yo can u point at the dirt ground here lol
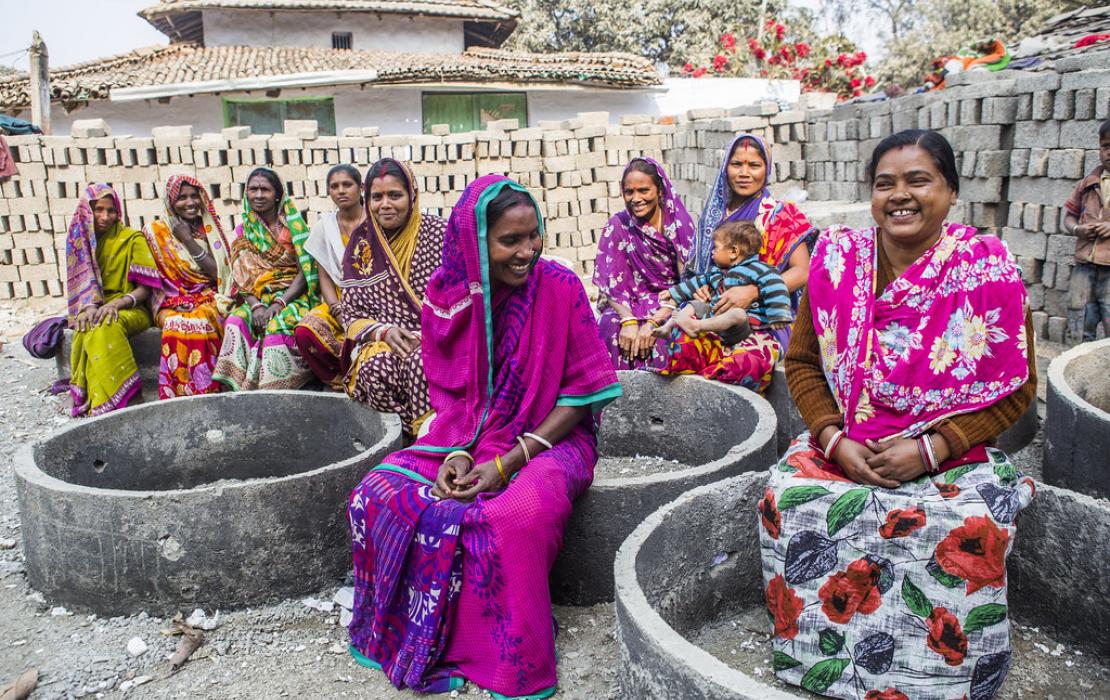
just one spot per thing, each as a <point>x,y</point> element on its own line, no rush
<point>291,649</point>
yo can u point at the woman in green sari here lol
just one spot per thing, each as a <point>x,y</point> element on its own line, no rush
<point>109,275</point>
<point>277,283</point>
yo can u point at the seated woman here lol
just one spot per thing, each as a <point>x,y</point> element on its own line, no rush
<point>885,529</point>
<point>741,194</point>
<point>109,277</point>
<point>277,280</point>
<point>191,253</point>
<point>642,253</point>
<point>319,335</point>
<point>454,537</point>
<point>386,268</point>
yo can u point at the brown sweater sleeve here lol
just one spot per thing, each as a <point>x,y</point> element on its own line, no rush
<point>804,376</point>
<point>806,381</point>
<point>965,431</point>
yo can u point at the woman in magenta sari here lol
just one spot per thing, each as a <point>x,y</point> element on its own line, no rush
<point>641,254</point>
<point>454,537</point>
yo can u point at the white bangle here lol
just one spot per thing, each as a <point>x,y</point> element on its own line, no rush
<point>200,256</point>
<point>134,301</point>
<point>830,449</point>
<point>537,438</point>
<point>380,333</point>
<point>524,446</point>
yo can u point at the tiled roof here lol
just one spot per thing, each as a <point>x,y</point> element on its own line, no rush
<point>488,23</point>
<point>188,63</point>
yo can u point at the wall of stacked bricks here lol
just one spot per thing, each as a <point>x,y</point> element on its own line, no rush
<point>1023,140</point>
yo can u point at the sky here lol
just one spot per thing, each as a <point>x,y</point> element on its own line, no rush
<point>109,27</point>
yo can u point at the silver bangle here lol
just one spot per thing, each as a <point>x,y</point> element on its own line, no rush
<point>524,446</point>
<point>201,256</point>
<point>537,438</point>
<point>134,301</point>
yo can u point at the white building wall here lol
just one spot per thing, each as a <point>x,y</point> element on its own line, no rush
<point>397,110</point>
<point>369,31</point>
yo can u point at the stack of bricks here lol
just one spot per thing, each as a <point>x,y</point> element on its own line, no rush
<point>1022,141</point>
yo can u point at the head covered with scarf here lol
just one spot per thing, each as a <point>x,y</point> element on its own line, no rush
<point>488,355</point>
<point>84,283</point>
<point>635,261</point>
<point>177,266</point>
<point>784,228</point>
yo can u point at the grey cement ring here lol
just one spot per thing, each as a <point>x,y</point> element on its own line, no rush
<point>222,500</point>
<point>790,423</point>
<point>719,430</point>
<point>668,585</point>
<point>1077,422</point>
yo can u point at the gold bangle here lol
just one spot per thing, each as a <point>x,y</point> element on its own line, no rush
<point>629,322</point>
<point>500,469</point>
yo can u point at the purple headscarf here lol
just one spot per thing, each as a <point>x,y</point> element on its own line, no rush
<point>635,262</point>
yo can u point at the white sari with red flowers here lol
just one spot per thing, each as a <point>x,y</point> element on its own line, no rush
<point>896,594</point>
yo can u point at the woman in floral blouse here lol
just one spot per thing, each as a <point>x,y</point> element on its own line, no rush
<point>885,528</point>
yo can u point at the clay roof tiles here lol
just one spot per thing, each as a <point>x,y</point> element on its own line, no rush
<point>186,63</point>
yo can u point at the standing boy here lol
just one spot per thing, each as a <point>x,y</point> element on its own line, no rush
<point>1087,217</point>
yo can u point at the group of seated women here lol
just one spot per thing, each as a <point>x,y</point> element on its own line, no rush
<point>884,530</point>
<point>268,308</point>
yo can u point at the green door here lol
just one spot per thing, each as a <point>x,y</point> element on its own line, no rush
<point>472,111</point>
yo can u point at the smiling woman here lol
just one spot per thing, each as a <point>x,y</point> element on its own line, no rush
<point>892,518</point>
<point>641,254</point>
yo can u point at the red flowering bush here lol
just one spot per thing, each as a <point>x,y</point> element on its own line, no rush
<point>946,637</point>
<point>828,65</point>
<point>847,592</point>
<point>769,513</point>
<point>785,607</point>
<point>975,551</point>
<point>900,522</point>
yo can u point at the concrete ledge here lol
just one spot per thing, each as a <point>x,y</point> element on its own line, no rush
<point>1077,432</point>
<point>719,430</point>
<point>790,423</point>
<point>669,583</point>
<point>221,500</point>
<point>147,347</point>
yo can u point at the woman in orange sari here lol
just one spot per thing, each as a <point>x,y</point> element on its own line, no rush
<point>190,251</point>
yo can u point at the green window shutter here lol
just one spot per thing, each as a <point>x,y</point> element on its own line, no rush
<point>268,116</point>
<point>501,105</point>
<point>449,108</point>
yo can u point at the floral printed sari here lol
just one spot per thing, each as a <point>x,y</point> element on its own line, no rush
<point>901,592</point>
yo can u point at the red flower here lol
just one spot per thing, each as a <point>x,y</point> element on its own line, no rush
<point>869,81</point>
<point>753,44</point>
<point>975,551</point>
<point>855,82</point>
<point>688,68</point>
<point>947,490</point>
<point>700,72</point>
<point>760,54</point>
<point>900,522</point>
<point>842,60</point>
<point>785,607</point>
<point>857,93</point>
<point>861,56</point>
<point>728,41</point>
<point>772,519</point>
<point>847,592</point>
<point>888,694</point>
<point>828,63</point>
<point>946,637</point>
<point>811,465</point>
<point>802,48</point>
<point>774,60</point>
<point>719,63</point>
<point>780,31</point>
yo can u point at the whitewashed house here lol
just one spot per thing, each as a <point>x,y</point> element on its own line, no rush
<point>399,65</point>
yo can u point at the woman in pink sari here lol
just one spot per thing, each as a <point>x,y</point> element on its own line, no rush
<point>885,529</point>
<point>454,537</point>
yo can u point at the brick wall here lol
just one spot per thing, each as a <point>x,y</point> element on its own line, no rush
<point>1022,141</point>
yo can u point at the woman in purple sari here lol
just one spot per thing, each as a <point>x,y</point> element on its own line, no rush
<point>454,537</point>
<point>641,254</point>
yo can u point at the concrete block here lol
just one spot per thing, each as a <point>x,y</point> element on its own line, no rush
<point>1037,134</point>
<point>992,164</point>
<point>1079,134</point>
<point>1019,161</point>
<point>1085,103</point>
<point>1086,78</point>
<point>1038,162</point>
<point>1066,163</point>
<point>1043,105</point>
<point>86,128</point>
<point>1030,244</point>
<point>1064,104</point>
<point>999,110</point>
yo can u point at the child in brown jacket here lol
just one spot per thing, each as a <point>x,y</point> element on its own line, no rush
<point>1087,217</point>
